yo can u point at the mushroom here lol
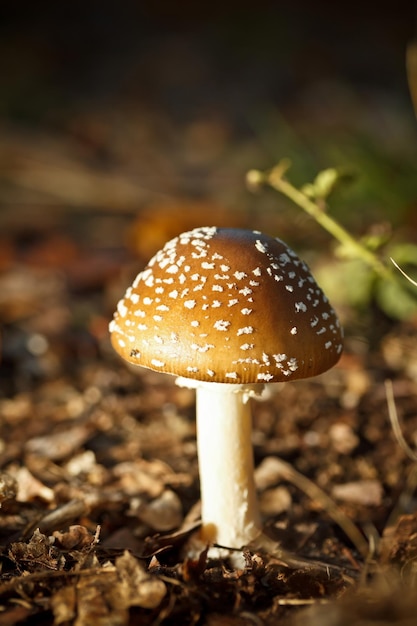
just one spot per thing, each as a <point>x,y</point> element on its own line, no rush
<point>227,311</point>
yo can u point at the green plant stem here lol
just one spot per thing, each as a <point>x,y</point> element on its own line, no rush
<point>276,181</point>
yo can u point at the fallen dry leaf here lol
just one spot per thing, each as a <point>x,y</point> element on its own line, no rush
<point>137,587</point>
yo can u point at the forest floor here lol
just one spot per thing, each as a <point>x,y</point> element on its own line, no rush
<point>99,473</point>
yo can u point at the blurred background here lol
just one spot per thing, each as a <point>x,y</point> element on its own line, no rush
<point>125,123</point>
<point>132,108</point>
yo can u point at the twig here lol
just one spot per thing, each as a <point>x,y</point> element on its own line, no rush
<point>315,493</point>
<point>395,423</point>
<point>411,481</point>
<point>413,282</point>
<point>29,578</point>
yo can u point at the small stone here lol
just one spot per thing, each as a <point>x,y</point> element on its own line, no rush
<point>363,492</point>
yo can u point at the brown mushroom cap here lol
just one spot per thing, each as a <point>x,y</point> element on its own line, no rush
<point>228,306</point>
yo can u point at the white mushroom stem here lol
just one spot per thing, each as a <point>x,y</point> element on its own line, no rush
<point>229,508</point>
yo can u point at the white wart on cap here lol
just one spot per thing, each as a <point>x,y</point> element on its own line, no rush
<point>227,306</point>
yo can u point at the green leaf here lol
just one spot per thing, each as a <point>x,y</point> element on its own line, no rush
<point>308,190</point>
<point>396,299</point>
<point>325,182</point>
<point>375,241</point>
<point>328,180</point>
<point>356,287</point>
